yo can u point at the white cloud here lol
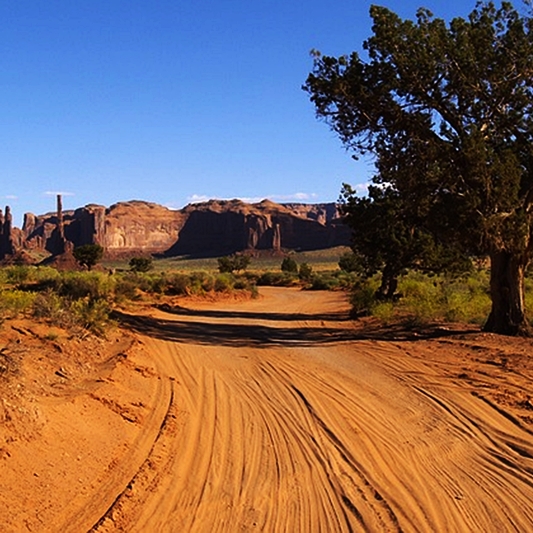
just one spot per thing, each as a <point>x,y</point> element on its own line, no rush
<point>55,193</point>
<point>11,197</point>
<point>361,188</point>
<point>296,197</point>
<point>197,198</point>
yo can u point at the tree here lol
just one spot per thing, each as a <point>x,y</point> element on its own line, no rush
<point>305,272</point>
<point>350,262</point>
<point>390,237</point>
<point>141,264</point>
<point>447,112</point>
<point>290,265</point>
<point>233,262</point>
<point>88,255</point>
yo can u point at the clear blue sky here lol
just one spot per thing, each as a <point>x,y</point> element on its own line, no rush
<point>171,101</point>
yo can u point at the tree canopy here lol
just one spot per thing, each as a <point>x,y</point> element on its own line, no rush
<point>141,264</point>
<point>446,110</point>
<point>230,263</point>
<point>88,254</point>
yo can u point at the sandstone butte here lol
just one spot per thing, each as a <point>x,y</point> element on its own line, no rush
<point>213,228</point>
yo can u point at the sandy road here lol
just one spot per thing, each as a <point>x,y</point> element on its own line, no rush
<point>279,421</point>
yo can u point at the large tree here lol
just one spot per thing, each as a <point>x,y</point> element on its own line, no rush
<point>447,111</point>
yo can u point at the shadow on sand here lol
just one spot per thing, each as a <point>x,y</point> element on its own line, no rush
<point>256,335</point>
<point>278,317</point>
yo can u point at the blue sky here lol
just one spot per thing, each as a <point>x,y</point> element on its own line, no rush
<point>173,101</point>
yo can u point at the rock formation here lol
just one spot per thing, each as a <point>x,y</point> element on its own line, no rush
<point>11,240</point>
<point>211,228</point>
<point>7,245</point>
<point>223,227</point>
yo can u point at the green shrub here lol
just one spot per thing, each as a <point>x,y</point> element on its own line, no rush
<point>92,315</point>
<point>15,302</point>
<point>177,284</point>
<point>289,265</point>
<point>442,297</point>
<point>363,296</point>
<point>88,255</point>
<point>56,310</point>
<point>383,310</point>
<point>276,279</point>
<point>94,285</point>
<point>208,283</point>
<point>349,262</point>
<point>424,298</point>
<point>126,289</point>
<point>224,282</point>
<point>324,282</point>
<point>346,280</point>
<point>235,262</point>
<point>201,282</point>
<point>17,274</point>
<point>305,272</point>
<point>141,264</point>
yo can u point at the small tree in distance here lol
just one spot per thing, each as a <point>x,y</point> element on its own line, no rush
<point>141,264</point>
<point>350,262</point>
<point>88,255</point>
<point>305,272</point>
<point>230,263</point>
<point>289,265</point>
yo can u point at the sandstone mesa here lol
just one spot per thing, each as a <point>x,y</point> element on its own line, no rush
<point>212,228</point>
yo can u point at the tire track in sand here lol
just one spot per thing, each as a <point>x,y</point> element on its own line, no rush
<point>353,436</point>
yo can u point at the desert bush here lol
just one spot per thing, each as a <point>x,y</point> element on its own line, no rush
<point>423,298</point>
<point>276,279</point>
<point>305,272</point>
<point>208,283</point>
<point>246,283</point>
<point>150,283</point>
<point>323,282</point>
<point>88,255</point>
<point>92,315</point>
<point>383,310</point>
<point>346,280</point>
<point>126,289</point>
<point>141,264</point>
<point>241,284</point>
<point>17,275</point>
<point>158,284</point>
<point>55,309</point>
<point>83,313</point>
<point>349,262</point>
<point>289,265</point>
<point>94,285</point>
<point>235,262</point>
<point>224,282</point>
<point>333,280</point>
<point>15,302</point>
<point>445,298</point>
<point>201,282</point>
<point>177,284</point>
<point>363,296</point>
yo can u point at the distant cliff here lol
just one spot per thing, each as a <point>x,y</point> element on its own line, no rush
<point>211,228</point>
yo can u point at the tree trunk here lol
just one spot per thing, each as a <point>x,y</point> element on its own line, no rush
<point>389,284</point>
<point>507,316</point>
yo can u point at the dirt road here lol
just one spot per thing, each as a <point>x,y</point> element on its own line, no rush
<point>278,415</point>
<point>279,423</point>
